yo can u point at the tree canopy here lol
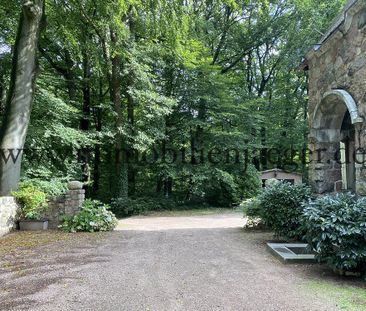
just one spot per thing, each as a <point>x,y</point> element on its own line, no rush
<point>182,100</point>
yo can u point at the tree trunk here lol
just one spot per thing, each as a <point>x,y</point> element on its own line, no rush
<point>264,150</point>
<point>20,96</point>
<point>121,169</point>
<point>84,153</point>
<point>97,156</point>
<point>131,122</point>
<point>2,94</point>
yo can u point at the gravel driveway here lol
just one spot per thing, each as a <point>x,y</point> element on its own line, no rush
<point>158,263</point>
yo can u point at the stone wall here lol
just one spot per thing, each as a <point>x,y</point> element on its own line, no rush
<point>8,212</point>
<point>65,205</point>
<point>338,63</point>
<point>68,204</point>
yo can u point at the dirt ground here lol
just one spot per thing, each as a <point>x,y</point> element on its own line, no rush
<point>158,263</point>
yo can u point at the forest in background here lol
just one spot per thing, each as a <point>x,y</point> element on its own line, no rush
<point>154,104</point>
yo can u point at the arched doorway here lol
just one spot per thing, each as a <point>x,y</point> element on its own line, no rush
<point>347,152</point>
<point>333,141</point>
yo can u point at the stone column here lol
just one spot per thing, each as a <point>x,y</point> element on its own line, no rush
<point>68,204</point>
<point>75,197</point>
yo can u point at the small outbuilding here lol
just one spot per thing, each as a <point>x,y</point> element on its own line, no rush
<point>293,178</point>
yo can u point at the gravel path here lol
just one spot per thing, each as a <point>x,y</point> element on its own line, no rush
<point>159,263</point>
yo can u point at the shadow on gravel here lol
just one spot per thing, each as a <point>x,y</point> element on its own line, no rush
<point>36,260</point>
<point>237,258</point>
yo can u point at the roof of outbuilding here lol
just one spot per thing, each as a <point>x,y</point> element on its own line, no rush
<point>277,170</point>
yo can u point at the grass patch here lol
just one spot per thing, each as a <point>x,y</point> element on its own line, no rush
<point>347,297</point>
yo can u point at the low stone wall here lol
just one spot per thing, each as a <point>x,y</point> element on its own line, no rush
<point>68,204</point>
<point>8,213</point>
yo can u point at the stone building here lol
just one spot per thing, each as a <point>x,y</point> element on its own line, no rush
<point>337,104</point>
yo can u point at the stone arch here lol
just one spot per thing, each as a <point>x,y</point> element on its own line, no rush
<point>330,111</point>
<point>329,114</point>
<point>333,130</point>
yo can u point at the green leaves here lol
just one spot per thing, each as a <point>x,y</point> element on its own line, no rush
<point>93,217</point>
<point>280,207</point>
<point>335,229</point>
<point>192,73</point>
<point>33,201</point>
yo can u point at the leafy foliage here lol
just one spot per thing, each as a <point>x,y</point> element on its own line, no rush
<point>252,208</point>
<point>226,189</point>
<point>136,75</point>
<point>221,189</point>
<point>335,227</point>
<point>53,187</point>
<point>249,183</point>
<point>252,211</point>
<point>33,201</point>
<point>280,207</point>
<point>94,216</point>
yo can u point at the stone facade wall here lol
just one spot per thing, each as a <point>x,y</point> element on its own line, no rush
<point>328,169</point>
<point>8,212</point>
<point>339,63</point>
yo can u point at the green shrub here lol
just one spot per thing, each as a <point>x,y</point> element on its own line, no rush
<point>94,216</point>
<point>253,212</point>
<point>336,230</point>
<point>53,187</point>
<point>280,207</point>
<point>252,208</point>
<point>33,201</point>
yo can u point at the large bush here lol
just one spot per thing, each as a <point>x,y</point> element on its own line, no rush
<point>94,216</point>
<point>336,230</point>
<point>33,201</point>
<point>280,207</point>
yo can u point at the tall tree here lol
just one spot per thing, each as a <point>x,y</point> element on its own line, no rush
<point>20,95</point>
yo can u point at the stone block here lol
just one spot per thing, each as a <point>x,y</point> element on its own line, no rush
<point>338,186</point>
<point>333,175</point>
<point>317,175</point>
<point>75,185</point>
<point>361,188</point>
